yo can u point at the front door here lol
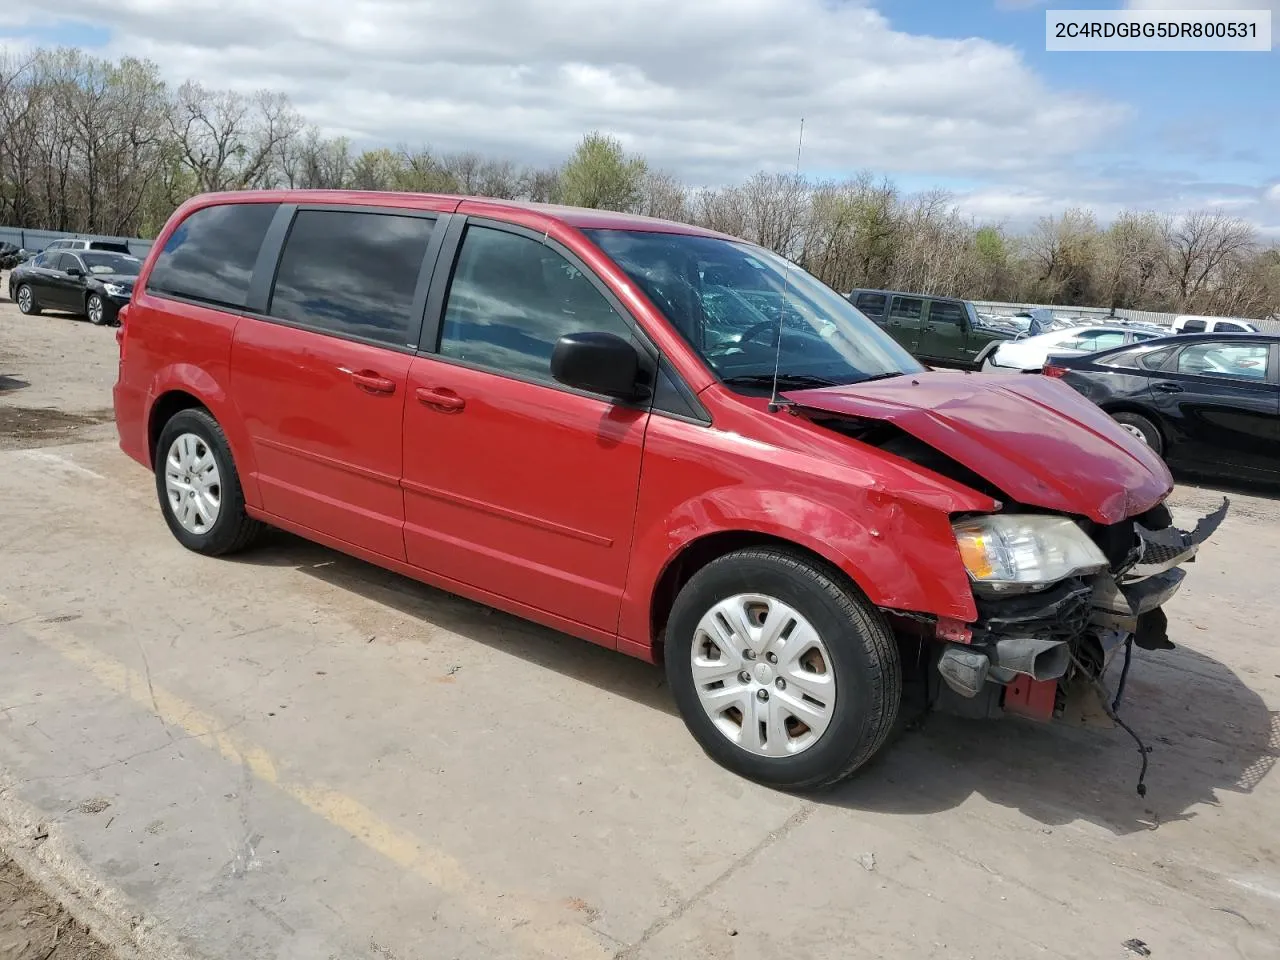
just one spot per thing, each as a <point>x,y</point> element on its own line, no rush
<point>61,290</point>
<point>321,384</point>
<point>906,316</point>
<point>1222,399</point>
<point>513,483</point>
<point>944,333</point>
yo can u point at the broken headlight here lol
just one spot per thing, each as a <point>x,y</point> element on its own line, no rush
<point>1017,553</point>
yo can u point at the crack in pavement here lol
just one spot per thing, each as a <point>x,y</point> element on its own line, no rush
<point>774,836</point>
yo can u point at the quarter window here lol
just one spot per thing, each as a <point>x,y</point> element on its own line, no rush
<point>512,298</point>
<point>1245,361</point>
<point>353,274</point>
<point>210,256</point>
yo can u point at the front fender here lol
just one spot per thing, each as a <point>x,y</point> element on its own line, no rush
<point>902,555</point>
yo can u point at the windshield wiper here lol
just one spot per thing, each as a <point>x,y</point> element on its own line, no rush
<point>784,380</point>
<point>882,376</point>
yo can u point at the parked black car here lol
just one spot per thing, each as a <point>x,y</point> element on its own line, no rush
<point>1207,402</point>
<point>95,284</point>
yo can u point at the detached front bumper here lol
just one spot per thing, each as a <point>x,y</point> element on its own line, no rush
<point>1042,654</point>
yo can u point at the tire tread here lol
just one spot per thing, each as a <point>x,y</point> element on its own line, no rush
<point>243,529</point>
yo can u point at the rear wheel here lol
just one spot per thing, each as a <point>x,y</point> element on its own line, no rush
<point>1140,427</point>
<point>198,486</point>
<point>783,672</point>
<point>26,298</point>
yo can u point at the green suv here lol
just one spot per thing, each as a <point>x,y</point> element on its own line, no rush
<point>940,331</point>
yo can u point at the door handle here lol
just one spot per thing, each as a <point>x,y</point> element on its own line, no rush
<point>441,398</point>
<point>1167,387</point>
<point>371,381</point>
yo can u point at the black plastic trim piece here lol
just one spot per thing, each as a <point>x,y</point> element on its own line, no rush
<point>264,269</point>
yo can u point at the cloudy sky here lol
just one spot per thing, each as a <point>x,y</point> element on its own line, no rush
<point>959,94</point>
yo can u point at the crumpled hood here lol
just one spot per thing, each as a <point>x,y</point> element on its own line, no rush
<point>1036,439</point>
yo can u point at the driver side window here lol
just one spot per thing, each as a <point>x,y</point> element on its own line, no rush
<point>511,298</point>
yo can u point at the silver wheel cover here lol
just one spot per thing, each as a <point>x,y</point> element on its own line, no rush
<point>192,483</point>
<point>763,675</point>
<point>95,309</point>
<point>24,299</point>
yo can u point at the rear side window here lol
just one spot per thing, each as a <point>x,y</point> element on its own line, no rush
<point>1245,361</point>
<point>940,311</point>
<point>512,298</point>
<point>353,274</point>
<point>872,304</point>
<point>1139,359</point>
<point>210,256</point>
<point>907,308</point>
<point>1230,327</point>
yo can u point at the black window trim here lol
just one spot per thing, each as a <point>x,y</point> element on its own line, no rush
<point>229,309</point>
<point>265,270</point>
<point>442,279</point>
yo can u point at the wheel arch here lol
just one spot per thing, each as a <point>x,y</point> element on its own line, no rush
<point>165,407</point>
<point>1130,406</point>
<point>703,550</point>
<point>185,386</point>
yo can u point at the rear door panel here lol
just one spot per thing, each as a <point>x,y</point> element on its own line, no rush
<point>1218,420</point>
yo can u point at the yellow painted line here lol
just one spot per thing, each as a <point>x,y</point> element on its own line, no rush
<point>528,923</point>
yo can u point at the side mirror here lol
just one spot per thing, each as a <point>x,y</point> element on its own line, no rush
<point>598,363</point>
<point>74,272</point>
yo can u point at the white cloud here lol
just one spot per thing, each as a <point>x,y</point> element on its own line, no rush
<point>711,89</point>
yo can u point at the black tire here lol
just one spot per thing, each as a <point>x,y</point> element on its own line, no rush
<point>106,310</point>
<point>864,654</point>
<point>233,529</point>
<point>1149,431</point>
<point>32,307</point>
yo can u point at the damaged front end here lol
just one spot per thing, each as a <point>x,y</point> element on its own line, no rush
<point>1042,653</point>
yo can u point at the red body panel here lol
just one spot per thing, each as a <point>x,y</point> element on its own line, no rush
<point>568,510</point>
<point>1040,441</point>
<point>327,448</point>
<point>525,490</point>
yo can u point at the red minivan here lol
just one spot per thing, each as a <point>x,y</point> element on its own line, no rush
<point>654,437</point>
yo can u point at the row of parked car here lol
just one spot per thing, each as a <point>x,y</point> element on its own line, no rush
<point>1204,393</point>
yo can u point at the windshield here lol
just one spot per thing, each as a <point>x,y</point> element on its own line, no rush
<point>728,299</point>
<point>111,263</point>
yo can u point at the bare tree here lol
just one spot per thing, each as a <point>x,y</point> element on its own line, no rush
<point>1199,247</point>
<point>97,146</point>
<point>231,141</point>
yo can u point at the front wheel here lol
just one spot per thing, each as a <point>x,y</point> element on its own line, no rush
<point>198,486</point>
<point>783,672</point>
<point>96,309</point>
